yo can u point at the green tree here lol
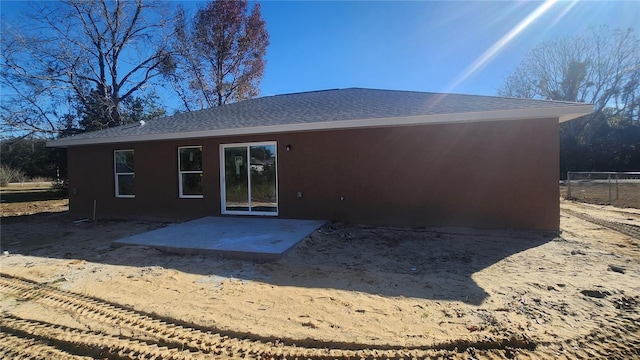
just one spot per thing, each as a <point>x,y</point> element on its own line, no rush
<point>31,156</point>
<point>132,110</point>
<point>602,68</point>
<point>220,54</point>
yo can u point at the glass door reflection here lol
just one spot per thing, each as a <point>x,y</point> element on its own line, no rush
<point>250,179</point>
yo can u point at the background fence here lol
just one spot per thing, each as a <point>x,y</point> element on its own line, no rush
<point>615,188</point>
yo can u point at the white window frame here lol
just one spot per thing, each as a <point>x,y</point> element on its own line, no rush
<point>180,172</point>
<point>117,174</point>
<point>223,195</point>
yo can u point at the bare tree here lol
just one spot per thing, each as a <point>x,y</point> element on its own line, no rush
<point>220,54</point>
<point>83,59</point>
<point>602,68</point>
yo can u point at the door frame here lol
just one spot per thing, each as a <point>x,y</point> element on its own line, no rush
<point>223,195</point>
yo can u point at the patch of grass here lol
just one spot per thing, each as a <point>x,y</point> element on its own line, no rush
<point>625,195</point>
<point>18,209</point>
<point>31,198</point>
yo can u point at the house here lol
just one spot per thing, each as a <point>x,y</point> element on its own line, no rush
<point>382,157</point>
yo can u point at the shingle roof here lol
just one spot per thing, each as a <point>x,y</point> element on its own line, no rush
<point>327,109</point>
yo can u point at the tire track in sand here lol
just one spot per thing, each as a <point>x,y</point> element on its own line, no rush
<point>95,344</point>
<point>627,229</point>
<point>17,347</point>
<point>159,338</point>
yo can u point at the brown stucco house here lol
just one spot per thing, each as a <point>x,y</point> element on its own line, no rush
<point>381,157</point>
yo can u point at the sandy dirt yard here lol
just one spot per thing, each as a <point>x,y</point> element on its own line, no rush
<point>344,292</point>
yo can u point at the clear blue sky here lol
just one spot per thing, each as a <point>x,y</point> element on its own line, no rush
<point>413,45</point>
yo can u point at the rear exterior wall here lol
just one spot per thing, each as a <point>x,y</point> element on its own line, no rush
<point>485,175</point>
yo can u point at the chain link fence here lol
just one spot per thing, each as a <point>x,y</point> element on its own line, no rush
<point>605,188</point>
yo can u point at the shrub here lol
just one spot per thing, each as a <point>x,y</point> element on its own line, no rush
<point>41,179</point>
<point>9,174</point>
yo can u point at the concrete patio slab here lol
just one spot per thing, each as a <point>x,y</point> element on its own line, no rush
<point>240,238</point>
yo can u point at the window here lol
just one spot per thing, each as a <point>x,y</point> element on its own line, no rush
<point>123,165</point>
<point>190,171</point>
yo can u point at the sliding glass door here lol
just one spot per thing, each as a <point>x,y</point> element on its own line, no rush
<point>249,182</point>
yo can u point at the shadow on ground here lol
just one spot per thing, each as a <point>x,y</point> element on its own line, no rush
<point>16,196</point>
<point>433,264</point>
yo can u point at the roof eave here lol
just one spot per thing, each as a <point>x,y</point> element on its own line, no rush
<point>562,113</point>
